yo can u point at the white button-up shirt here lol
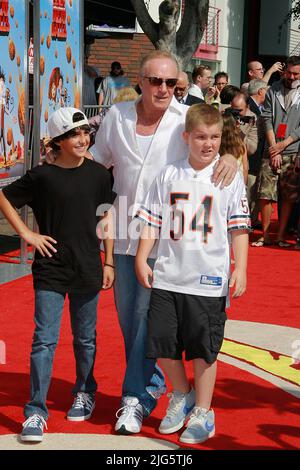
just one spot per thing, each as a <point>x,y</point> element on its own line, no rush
<point>194,90</point>
<point>116,145</point>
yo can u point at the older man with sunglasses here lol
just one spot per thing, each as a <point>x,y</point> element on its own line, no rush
<point>139,138</point>
<point>181,91</point>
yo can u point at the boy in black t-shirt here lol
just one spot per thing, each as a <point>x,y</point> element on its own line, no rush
<point>64,198</point>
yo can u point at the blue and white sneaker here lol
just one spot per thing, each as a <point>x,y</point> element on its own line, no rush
<point>82,408</point>
<point>179,408</point>
<point>200,427</point>
<point>33,429</point>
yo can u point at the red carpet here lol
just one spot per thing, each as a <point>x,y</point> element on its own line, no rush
<point>251,413</point>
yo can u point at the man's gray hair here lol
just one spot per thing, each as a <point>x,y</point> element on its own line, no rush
<point>255,85</point>
<point>158,54</point>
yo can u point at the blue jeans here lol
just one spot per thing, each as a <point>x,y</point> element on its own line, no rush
<point>48,313</point>
<point>143,378</point>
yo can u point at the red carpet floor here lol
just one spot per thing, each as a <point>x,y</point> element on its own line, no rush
<point>251,413</point>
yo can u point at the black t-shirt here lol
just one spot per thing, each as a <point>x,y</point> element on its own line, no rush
<point>64,202</point>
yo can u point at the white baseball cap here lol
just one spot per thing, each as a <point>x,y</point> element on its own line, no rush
<point>62,121</point>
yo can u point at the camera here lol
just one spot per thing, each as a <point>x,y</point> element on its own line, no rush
<point>247,120</point>
<point>236,114</point>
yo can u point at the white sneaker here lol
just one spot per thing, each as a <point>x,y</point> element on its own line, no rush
<point>179,408</point>
<point>131,418</point>
<point>200,427</point>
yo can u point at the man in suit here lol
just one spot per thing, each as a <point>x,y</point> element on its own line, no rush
<point>181,91</point>
<point>257,92</point>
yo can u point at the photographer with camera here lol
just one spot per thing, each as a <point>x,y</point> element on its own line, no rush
<point>247,122</point>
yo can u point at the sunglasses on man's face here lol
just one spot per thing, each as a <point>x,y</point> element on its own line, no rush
<point>157,81</point>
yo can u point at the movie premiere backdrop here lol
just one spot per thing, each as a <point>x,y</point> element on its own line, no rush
<point>60,57</point>
<point>13,45</point>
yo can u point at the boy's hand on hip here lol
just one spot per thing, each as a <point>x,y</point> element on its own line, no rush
<point>108,277</point>
<point>43,243</point>
<point>239,280</point>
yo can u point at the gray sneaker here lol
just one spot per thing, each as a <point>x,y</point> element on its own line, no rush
<point>179,409</point>
<point>82,408</point>
<point>200,427</point>
<point>130,416</point>
<point>33,429</point>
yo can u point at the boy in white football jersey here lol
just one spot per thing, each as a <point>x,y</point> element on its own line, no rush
<point>191,277</point>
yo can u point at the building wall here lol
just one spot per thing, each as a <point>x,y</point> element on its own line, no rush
<point>125,48</point>
<point>128,48</point>
<point>294,46</point>
<point>274,36</point>
<point>230,40</point>
<point>230,37</point>
<point>268,38</point>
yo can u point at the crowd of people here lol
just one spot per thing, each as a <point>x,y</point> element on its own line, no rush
<point>268,177</point>
<point>193,163</point>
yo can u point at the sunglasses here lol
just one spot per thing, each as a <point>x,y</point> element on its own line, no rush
<point>157,81</point>
<point>180,89</point>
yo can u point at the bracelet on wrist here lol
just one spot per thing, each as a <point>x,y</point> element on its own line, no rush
<point>109,265</point>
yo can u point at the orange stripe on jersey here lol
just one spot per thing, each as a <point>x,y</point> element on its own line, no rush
<point>242,221</point>
<point>144,215</point>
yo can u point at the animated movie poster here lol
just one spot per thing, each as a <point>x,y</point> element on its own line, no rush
<point>12,89</point>
<point>59,57</point>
